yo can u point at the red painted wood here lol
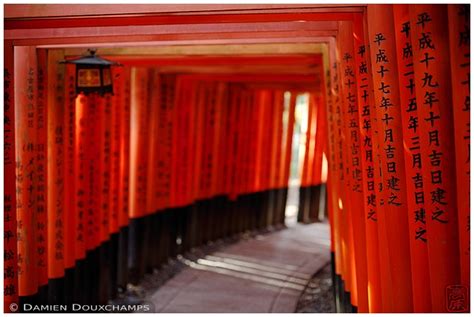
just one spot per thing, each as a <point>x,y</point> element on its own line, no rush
<point>459,44</point>
<point>56,166</point>
<point>217,60</point>
<point>150,41</point>
<point>368,152</point>
<point>41,167</point>
<point>74,10</point>
<point>411,139</point>
<point>70,218</point>
<point>436,126</point>
<point>153,146</point>
<point>178,39</point>
<point>125,149</point>
<point>278,107</point>
<point>82,176</point>
<point>10,258</point>
<point>138,142</point>
<point>173,19</point>
<point>25,95</point>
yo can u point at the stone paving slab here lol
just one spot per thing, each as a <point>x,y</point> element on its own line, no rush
<point>260,275</point>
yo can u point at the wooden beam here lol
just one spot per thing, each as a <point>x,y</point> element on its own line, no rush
<point>153,49</point>
<point>198,38</point>
<point>75,10</point>
<point>190,44</point>
<point>175,29</point>
<point>75,16</point>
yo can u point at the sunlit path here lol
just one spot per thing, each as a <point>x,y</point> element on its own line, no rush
<point>265,274</point>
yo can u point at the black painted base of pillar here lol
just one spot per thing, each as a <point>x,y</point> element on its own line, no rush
<point>56,291</point>
<point>79,276</point>
<point>113,265</point>
<point>312,204</point>
<point>69,286</point>
<point>43,293</point>
<point>104,271</point>
<point>136,245</point>
<point>32,300</point>
<point>122,259</point>
<point>315,202</point>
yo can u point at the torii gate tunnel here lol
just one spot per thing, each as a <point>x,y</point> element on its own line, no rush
<point>195,144</point>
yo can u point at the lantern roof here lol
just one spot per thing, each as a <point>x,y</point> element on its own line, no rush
<point>91,59</point>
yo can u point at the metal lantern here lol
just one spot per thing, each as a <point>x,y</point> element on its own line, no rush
<point>93,74</point>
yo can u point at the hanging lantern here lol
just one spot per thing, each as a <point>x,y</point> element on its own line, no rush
<point>93,74</point>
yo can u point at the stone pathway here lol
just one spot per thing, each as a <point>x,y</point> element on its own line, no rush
<point>267,273</point>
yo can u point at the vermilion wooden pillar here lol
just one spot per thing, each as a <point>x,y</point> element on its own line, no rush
<point>177,140</point>
<point>332,166</point>
<point>459,44</point>
<point>123,97</point>
<point>336,173</point>
<point>385,296</point>
<point>122,92</point>
<point>348,277</point>
<point>189,194</point>
<point>232,146</point>
<point>114,184</point>
<point>208,106</point>
<point>10,259</point>
<point>217,131</point>
<point>288,139</point>
<point>198,167</point>
<point>354,207</point>
<point>269,143</point>
<point>153,98</point>
<point>305,191</point>
<point>414,178</point>
<point>253,166</point>
<point>138,171</point>
<point>71,219</point>
<point>277,134</point>
<point>212,125</point>
<point>319,169</point>
<point>388,113</point>
<point>24,96</point>
<point>189,199</point>
<point>260,108</point>
<point>81,194</point>
<point>431,61</point>
<point>218,172</point>
<point>103,137</point>
<point>41,170</point>
<point>56,169</point>
<point>320,136</point>
<point>152,223</point>
<point>90,121</point>
<point>365,115</point>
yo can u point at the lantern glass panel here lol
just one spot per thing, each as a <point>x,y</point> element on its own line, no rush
<point>88,77</point>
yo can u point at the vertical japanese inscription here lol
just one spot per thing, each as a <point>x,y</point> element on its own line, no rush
<point>41,167</point>
<point>10,275</point>
<point>388,112</point>
<point>26,181</point>
<point>70,216</point>
<point>56,166</point>
<point>434,103</point>
<point>413,165</point>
